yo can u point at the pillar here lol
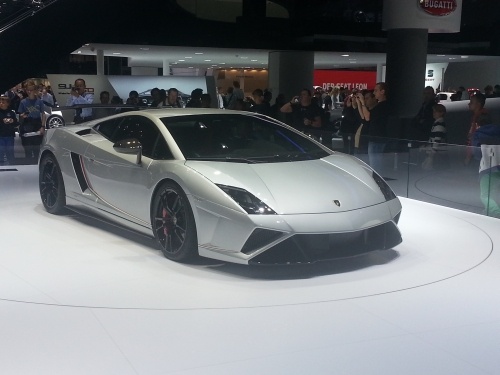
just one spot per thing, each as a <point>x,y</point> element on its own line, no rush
<point>100,62</point>
<point>380,73</point>
<point>405,75</point>
<point>166,68</point>
<point>290,72</point>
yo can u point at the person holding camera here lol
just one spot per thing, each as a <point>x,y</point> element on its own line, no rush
<point>305,114</point>
<point>31,118</point>
<point>80,96</point>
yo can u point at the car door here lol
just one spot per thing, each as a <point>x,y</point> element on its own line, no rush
<point>123,185</point>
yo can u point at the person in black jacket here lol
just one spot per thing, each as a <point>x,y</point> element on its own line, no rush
<point>8,124</point>
<point>378,118</point>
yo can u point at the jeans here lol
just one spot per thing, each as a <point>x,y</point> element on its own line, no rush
<point>7,149</point>
<point>376,156</point>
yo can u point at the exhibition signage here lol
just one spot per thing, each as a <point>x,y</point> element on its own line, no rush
<point>438,7</point>
<point>349,79</point>
<point>437,16</point>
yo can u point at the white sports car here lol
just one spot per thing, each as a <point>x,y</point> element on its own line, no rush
<point>229,185</point>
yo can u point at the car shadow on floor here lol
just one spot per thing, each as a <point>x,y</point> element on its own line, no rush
<point>307,271</point>
<point>264,272</point>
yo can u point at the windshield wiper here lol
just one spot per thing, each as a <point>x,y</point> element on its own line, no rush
<point>226,159</point>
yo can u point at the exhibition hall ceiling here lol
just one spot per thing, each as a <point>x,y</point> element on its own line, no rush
<point>229,58</point>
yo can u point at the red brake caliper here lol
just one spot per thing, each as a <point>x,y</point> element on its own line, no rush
<point>165,217</point>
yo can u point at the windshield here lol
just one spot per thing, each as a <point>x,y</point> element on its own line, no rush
<point>239,138</point>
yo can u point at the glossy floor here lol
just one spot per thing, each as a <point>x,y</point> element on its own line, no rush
<point>80,296</point>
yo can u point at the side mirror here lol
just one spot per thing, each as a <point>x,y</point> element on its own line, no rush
<point>129,146</point>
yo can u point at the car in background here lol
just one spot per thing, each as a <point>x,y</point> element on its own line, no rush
<point>145,98</point>
<point>54,119</point>
<point>228,185</point>
<point>445,96</point>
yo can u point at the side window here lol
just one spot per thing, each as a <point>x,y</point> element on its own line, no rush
<point>146,132</point>
<point>108,128</point>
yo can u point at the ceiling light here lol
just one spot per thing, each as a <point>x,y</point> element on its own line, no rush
<point>243,57</point>
<point>344,55</point>
<point>254,60</point>
<point>188,57</point>
<point>117,53</point>
<point>452,58</point>
<point>464,57</point>
<point>222,63</point>
<point>181,60</point>
<point>441,55</point>
<point>198,53</point>
<point>79,52</point>
<point>144,48</point>
<point>207,60</point>
<point>190,67</point>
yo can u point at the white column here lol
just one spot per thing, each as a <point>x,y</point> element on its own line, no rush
<point>380,73</point>
<point>100,62</point>
<point>166,68</point>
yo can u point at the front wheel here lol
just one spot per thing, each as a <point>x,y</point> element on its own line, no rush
<point>51,185</point>
<point>173,223</point>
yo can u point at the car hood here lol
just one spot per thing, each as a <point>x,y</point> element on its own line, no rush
<point>335,183</point>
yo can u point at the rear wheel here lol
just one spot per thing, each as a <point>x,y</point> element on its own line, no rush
<point>173,223</point>
<point>51,185</point>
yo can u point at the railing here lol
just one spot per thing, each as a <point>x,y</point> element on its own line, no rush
<point>447,175</point>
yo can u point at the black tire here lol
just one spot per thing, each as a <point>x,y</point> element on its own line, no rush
<point>173,223</point>
<point>51,185</point>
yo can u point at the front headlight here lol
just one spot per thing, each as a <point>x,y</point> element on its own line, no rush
<point>250,203</point>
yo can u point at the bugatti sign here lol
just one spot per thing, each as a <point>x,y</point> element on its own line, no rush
<point>438,7</point>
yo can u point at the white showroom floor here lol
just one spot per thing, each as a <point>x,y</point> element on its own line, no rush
<point>79,296</point>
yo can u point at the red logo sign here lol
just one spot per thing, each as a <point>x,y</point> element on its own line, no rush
<point>438,7</point>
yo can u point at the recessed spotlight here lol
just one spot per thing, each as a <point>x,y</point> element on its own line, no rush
<point>254,60</point>
<point>243,57</point>
<point>117,53</point>
<point>207,60</point>
<point>345,55</point>
<point>464,57</point>
<point>188,57</point>
<point>79,52</point>
<point>181,60</point>
<point>452,58</point>
<point>198,53</point>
